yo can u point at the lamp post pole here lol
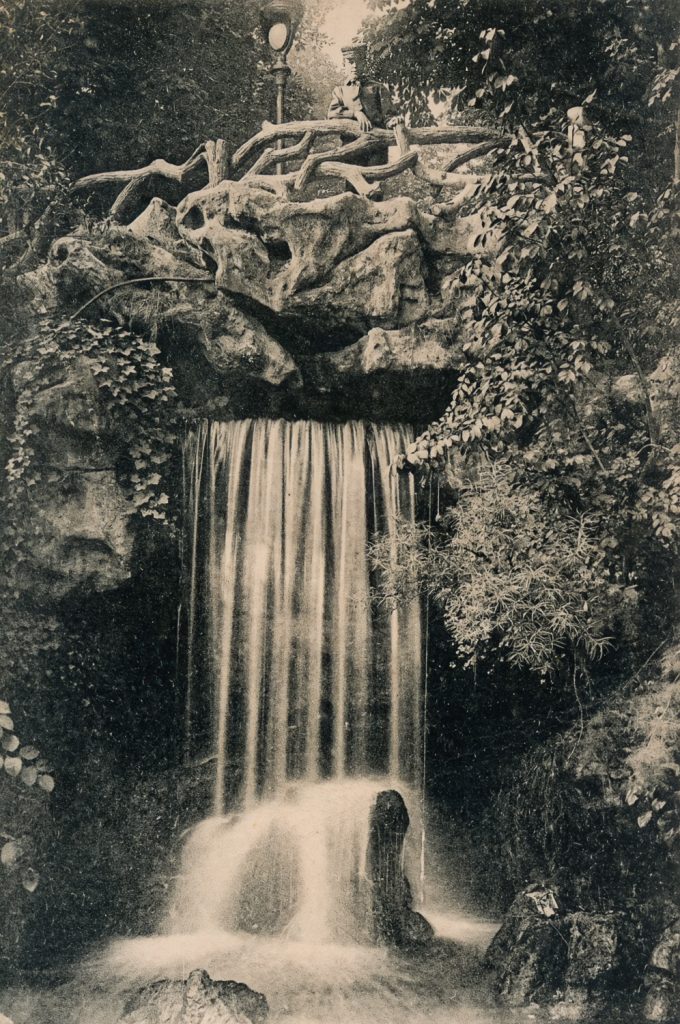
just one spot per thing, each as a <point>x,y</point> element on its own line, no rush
<point>281,72</point>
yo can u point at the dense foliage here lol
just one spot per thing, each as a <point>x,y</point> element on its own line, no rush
<point>86,88</point>
<point>135,396</point>
<point>23,763</point>
<point>570,310</point>
<point>514,582</point>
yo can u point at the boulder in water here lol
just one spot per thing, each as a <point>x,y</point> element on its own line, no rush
<point>198,1000</point>
<point>394,920</point>
<point>543,955</point>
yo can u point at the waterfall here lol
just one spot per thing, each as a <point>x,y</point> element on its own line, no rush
<point>292,672</point>
<point>295,866</point>
<point>301,690</point>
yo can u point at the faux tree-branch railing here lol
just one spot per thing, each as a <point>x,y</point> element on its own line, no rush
<point>448,135</point>
<point>208,153</point>
<point>326,163</point>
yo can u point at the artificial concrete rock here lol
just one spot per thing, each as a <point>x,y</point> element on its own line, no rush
<point>432,346</point>
<point>238,346</point>
<point>82,533</point>
<point>158,223</point>
<point>260,305</point>
<point>243,286</point>
<point>343,258</point>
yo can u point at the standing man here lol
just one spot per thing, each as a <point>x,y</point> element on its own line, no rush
<point>360,98</point>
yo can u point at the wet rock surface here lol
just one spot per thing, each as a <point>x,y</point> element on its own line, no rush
<point>395,921</point>
<point>528,955</point>
<point>198,1000</point>
<point>427,346</point>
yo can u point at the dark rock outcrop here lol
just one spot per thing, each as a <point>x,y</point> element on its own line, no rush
<point>394,920</point>
<point>198,1000</point>
<point>528,955</point>
<point>597,812</point>
<point>599,954</point>
<point>543,955</point>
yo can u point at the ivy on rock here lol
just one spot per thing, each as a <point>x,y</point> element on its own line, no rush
<point>136,403</point>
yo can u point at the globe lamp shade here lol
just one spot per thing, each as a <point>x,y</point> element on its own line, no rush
<point>278,36</point>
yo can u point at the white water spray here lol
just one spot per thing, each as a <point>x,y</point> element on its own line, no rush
<point>295,866</point>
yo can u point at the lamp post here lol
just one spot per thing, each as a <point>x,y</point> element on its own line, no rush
<point>279,20</point>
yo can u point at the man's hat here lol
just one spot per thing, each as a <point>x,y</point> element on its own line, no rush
<point>355,50</point>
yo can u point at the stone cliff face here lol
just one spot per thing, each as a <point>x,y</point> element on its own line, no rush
<point>82,534</point>
<point>299,304</point>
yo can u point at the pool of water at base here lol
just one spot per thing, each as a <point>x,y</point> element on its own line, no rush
<point>304,983</point>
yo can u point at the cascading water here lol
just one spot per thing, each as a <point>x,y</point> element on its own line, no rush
<point>300,688</point>
<point>295,866</point>
<point>291,672</point>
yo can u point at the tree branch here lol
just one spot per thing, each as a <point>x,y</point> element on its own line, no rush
<point>315,160</point>
<point>217,159</point>
<point>353,174</point>
<point>474,153</point>
<point>274,156</point>
<point>445,180</point>
<point>136,280</point>
<point>160,168</point>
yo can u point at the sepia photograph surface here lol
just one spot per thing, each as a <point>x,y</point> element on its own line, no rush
<point>339,511</point>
